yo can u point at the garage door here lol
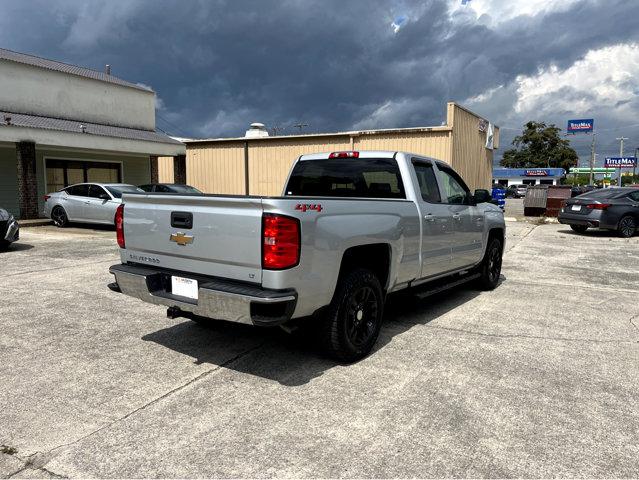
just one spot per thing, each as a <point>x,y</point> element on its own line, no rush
<point>62,173</point>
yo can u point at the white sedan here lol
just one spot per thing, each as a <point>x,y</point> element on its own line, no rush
<point>86,202</point>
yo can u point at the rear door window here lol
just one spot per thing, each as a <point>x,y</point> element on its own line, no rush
<point>350,177</point>
<point>427,181</point>
<point>78,190</point>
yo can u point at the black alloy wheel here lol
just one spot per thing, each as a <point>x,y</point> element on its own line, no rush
<point>351,324</point>
<point>627,226</point>
<point>362,316</point>
<point>59,217</point>
<point>490,269</point>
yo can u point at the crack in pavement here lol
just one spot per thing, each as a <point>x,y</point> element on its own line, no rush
<point>46,457</point>
<point>532,337</point>
<point>28,464</point>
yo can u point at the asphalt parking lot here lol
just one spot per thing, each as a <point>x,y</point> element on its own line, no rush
<point>539,378</point>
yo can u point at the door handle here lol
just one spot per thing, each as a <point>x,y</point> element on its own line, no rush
<point>429,217</point>
<point>87,202</point>
<point>456,216</point>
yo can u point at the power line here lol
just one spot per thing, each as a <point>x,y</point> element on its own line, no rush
<point>179,130</point>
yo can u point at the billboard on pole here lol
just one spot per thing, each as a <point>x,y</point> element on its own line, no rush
<point>584,125</point>
<point>621,162</point>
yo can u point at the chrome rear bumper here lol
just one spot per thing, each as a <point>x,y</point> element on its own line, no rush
<point>218,299</point>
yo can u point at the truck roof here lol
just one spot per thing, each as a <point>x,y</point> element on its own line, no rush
<point>362,154</point>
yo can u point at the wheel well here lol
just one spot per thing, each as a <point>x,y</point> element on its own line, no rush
<point>497,233</point>
<point>375,257</point>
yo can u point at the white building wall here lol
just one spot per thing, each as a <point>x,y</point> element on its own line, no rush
<point>38,91</point>
<point>528,180</point>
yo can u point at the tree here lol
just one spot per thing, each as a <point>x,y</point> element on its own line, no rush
<point>540,146</point>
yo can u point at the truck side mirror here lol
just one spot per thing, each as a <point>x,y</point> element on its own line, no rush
<point>482,196</point>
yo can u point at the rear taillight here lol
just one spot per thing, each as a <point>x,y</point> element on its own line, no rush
<point>281,242</point>
<point>47,197</point>
<point>119,225</point>
<point>598,206</point>
<point>344,155</point>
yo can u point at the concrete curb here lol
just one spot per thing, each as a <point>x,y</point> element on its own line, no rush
<point>36,222</point>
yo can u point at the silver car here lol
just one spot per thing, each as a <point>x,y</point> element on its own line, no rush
<point>86,202</point>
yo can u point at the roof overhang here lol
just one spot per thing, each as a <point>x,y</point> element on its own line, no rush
<point>353,133</point>
<point>85,141</point>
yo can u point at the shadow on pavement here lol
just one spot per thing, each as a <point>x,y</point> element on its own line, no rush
<point>592,233</point>
<point>294,359</point>
<point>17,247</point>
<point>92,226</point>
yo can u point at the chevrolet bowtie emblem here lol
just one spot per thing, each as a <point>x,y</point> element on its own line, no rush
<point>181,239</point>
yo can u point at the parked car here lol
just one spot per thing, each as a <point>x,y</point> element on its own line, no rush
<point>86,202</point>
<point>517,191</point>
<point>581,189</point>
<point>349,228</point>
<point>9,229</point>
<point>610,208</point>
<point>169,188</point>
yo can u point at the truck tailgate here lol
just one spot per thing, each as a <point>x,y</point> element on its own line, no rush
<point>224,239</point>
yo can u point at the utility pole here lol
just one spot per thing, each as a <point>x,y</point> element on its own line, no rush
<point>592,159</point>
<point>621,140</point>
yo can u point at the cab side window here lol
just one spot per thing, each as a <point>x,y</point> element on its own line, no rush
<point>427,181</point>
<point>455,190</point>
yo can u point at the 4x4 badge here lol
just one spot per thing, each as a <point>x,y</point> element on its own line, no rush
<point>181,239</point>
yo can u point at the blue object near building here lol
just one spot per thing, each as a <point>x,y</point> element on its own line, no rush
<point>499,194</point>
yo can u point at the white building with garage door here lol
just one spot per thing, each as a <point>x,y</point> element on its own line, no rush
<point>62,124</point>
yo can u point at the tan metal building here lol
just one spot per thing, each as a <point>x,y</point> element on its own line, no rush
<point>259,166</point>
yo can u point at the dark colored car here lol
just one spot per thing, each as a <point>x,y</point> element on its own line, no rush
<point>169,188</point>
<point>581,189</point>
<point>609,209</point>
<point>9,229</point>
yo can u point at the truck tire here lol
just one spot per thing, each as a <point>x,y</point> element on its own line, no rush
<point>59,217</point>
<point>353,320</point>
<point>627,226</point>
<point>490,268</point>
<point>579,228</point>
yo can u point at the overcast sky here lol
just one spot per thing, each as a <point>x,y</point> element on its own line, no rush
<point>219,65</point>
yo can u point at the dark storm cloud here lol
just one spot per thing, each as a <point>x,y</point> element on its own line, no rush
<point>219,65</point>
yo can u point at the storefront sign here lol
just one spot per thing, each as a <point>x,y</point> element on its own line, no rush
<point>621,162</point>
<point>536,173</point>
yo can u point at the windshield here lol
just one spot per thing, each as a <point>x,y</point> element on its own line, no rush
<point>184,189</point>
<point>118,190</point>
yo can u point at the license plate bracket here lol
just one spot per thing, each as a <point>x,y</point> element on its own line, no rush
<point>184,287</point>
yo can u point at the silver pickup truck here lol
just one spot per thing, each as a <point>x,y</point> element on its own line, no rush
<point>349,229</point>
